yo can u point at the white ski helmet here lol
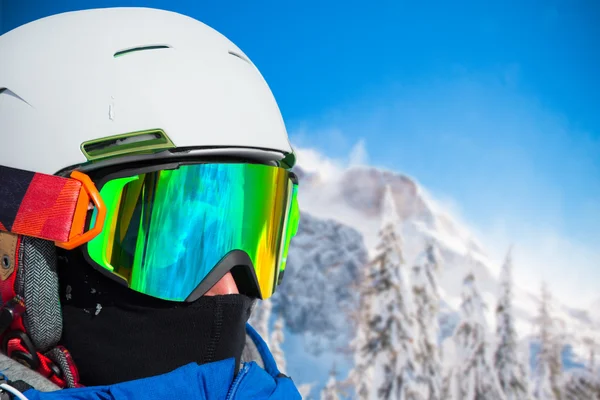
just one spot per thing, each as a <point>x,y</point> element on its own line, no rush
<point>132,82</point>
<point>106,87</point>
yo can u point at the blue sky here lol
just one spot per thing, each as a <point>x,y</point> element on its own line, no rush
<point>494,107</point>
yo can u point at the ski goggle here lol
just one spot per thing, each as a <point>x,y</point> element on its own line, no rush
<point>172,232</point>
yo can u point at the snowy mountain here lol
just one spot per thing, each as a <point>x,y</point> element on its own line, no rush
<point>318,289</point>
<point>341,217</point>
<point>595,311</point>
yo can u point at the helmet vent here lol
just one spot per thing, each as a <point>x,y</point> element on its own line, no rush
<point>8,92</point>
<point>238,55</point>
<point>138,49</point>
<point>135,142</point>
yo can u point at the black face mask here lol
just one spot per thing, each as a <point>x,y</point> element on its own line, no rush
<point>115,334</point>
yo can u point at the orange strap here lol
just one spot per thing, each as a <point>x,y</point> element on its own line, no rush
<point>49,207</point>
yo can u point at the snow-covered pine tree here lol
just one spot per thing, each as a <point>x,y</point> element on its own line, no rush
<point>581,384</point>
<point>391,327</point>
<point>277,339</point>
<point>548,373</point>
<point>447,391</point>
<point>584,383</point>
<point>543,382</point>
<point>475,375</point>
<point>426,305</point>
<point>383,346</point>
<point>556,361</point>
<point>261,315</point>
<point>305,390</point>
<point>360,377</point>
<point>512,374</point>
<point>331,390</point>
<point>450,385</point>
<point>592,348</point>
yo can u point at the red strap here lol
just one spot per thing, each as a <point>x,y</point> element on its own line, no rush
<point>71,365</point>
<point>44,369</point>
<point>8,296</point>
<point>39,205</point>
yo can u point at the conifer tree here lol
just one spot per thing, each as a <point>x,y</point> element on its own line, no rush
<point>331,390</point>
<point>474,374</point>
<point>512,374</point>
<point>584,383</point>
<point>426,303</point>
<point>261,315</point>
<point>384,344</point>
<point>277,339</point>
<point>548,373</point>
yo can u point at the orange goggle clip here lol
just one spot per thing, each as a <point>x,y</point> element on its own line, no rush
<point>49,207</point>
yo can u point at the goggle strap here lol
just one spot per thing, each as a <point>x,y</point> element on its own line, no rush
<point>47,206</point>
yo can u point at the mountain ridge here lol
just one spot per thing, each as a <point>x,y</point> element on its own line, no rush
<point>351,195</point>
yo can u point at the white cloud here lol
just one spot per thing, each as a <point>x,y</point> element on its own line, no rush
<point>540,252</point>
<point>359,155</point>
<point>322,138</point>
<point>543,253</point>
<point>312,161</point>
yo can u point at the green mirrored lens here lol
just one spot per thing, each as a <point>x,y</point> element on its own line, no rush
<point>166,230</point>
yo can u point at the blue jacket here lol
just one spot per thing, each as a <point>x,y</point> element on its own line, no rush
<point>215,381</point>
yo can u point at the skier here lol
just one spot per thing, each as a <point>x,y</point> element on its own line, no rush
<point>146,202</point>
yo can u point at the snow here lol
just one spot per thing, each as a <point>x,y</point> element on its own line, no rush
<point>351,195</point>
<point>341,219</point>
<point>305,390</point>
<point>473,372</point>
<point>277,338</point>
<point>318,291</point>
<point>261,318</point>
<point>384,342</point>
<point>389,212</point>
<point>331,390</point>
<point>512,373</point>
<point>547,384</point>
<point>426,299</point>
<point>582,384</point>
